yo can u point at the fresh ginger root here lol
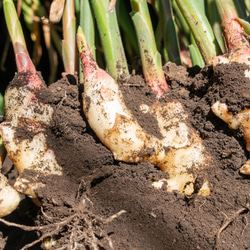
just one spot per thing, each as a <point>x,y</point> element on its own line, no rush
<point>27,121</point>
<point>241,120</point>
<point>180,153</point>
<point>9,196</point>
<point>26,113</point>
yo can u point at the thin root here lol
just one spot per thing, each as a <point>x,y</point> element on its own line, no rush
<point>60,104</point>
<point>246,224</point>
<point>83,226</point>
<point>228,221</point>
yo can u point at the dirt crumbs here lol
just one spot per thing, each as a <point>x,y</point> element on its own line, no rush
<point>100,203</point>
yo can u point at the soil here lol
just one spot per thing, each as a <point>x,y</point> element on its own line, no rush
<point>100,201</point>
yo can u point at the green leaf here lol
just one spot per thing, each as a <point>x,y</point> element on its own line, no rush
<point>196,56</point>
<point>215,21</point>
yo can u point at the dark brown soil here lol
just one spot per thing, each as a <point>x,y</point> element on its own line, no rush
<point>154,219</point>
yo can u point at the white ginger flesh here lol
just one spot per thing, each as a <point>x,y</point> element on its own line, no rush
<point>9,197</point>
<point>24,133</point>
<point>240,120</point>
<point>186,155</point>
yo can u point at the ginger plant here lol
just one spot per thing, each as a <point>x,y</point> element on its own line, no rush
<point>177,153</point>
<point>151,58</point>
<point>235,31</point>
<point>24,110</point>
<point>238,50</point>
<point>180,152</point>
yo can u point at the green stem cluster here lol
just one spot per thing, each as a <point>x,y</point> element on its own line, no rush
<point>111,39</point>
<point>151,58</point>
<point>200,28</point>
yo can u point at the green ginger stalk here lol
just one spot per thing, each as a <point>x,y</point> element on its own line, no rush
<point>151,58</point>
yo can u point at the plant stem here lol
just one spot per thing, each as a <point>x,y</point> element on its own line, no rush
<point>215,20</point>
<point>111,39</point>
<point>23,60</point>
<point>151,58</point>
<point>232,28</point>
<point>126,24</point>
<point>240,8</point>
<point>200,27</point>
<point>69,34</point>
<point>89,65</point>
<point>195,56</point>
<point>87,24</point>
<point>168,28</point>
